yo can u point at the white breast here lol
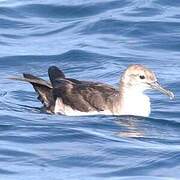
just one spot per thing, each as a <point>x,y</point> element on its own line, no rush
<point>135,103</point>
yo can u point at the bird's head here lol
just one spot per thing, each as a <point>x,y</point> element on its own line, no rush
<point>140,78</point>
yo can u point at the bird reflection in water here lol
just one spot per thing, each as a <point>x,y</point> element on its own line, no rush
<point>131,126</point>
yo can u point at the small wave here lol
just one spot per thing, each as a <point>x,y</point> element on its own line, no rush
<point>70,11</point>
<point>3,93</point>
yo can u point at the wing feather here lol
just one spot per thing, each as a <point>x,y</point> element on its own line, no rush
<point>84,96</point>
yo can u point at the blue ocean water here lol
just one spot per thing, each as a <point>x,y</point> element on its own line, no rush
<point>90,40</point>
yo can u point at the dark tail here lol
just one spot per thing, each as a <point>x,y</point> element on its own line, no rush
<point>42,87</point>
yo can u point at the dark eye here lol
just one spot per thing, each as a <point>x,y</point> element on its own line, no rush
<point>142,77</point>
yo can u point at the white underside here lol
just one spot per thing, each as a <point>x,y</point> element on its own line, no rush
<point>61,108</point>
<point>137,104</point>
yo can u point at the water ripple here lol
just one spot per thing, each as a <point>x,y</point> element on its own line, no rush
<point>88,40</point>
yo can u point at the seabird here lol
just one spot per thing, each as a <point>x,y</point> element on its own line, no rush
<point>73,97</point>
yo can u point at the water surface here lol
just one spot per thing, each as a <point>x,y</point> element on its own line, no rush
<point>90,40</point>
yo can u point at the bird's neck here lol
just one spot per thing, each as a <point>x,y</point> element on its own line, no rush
<point>133,101</point>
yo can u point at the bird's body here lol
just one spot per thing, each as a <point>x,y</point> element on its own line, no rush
<point>72,97</point>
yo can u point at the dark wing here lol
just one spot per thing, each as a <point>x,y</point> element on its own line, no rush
<point>80,95</point>
<point>42,87</point>
<point>84,96</point>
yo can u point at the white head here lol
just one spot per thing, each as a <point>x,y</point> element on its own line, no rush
<point>139,78</point>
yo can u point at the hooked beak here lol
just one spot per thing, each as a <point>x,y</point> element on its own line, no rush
<point>155,85</point>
